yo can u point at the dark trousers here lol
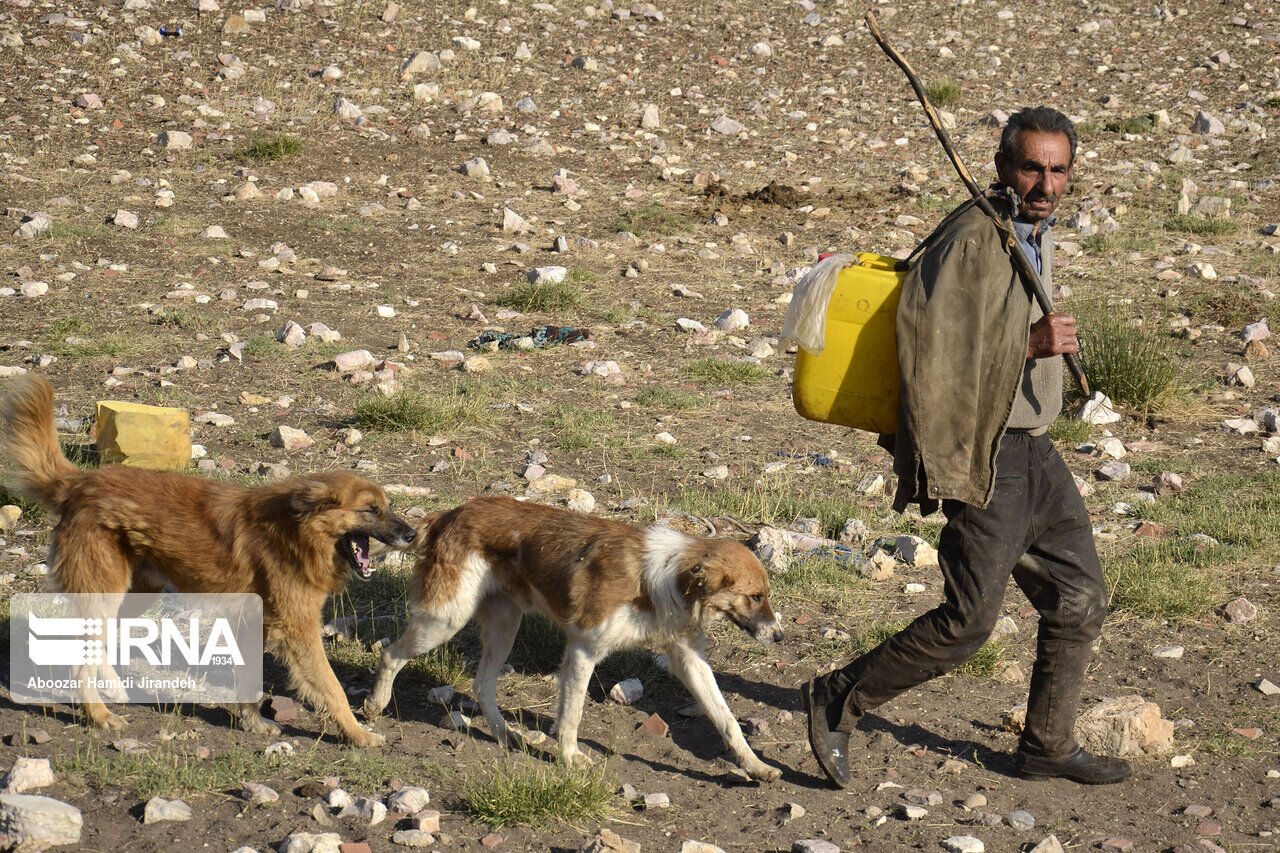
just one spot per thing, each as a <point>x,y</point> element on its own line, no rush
<point>1035,527</point>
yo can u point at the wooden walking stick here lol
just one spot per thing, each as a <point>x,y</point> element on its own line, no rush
<point>1021,263</point>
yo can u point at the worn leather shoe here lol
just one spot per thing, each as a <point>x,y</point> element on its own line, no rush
<point>1079,766</point>
<point>830,748</point>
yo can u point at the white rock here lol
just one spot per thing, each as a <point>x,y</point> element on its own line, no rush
<point>476,167</point>
<point>159,810</point>
<point>290,439</point>
<point>367,809</point>
<point>176,140</point>
<point>727,126</point>
<point>1180,761</point>
<point>627,692</point>
<point>547,275</point>
<point>1128,725</point>
<point>1098,409</point>
<point>409,800</point>
<point>125,219</point>
<point>649,118</point>
<point>216,419</point>
<point>349,362</point>
<point>346,109</point>
<point>311,842</point>
<point>580,500</point>
<point>28,774</point>
<point>1169,652</point>
<point>291,334</point>
<point>963,844</point>
<point>733,320</point>
<point>214,232</point>
<point>33,823</point>
<point>513,222</point>
<point>914,551</point>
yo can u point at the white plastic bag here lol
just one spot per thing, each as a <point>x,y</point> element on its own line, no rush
<point>806,321</point>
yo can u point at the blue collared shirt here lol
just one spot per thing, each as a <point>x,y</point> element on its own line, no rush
<point>1029,237</point>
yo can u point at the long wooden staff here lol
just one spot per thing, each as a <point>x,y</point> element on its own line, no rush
<point>1021,263</point>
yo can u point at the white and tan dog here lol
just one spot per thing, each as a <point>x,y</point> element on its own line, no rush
<point>608,585</point>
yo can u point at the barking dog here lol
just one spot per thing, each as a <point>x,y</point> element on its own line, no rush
<point>294,542</point>
<point>607,584</point>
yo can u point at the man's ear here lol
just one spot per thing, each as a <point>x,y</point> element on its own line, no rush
<point>310,497</point>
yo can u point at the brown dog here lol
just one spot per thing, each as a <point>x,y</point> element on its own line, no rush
<point>131,530</point>
<point>608,585</point>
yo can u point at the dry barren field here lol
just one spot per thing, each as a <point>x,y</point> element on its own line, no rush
<point>369,221</point>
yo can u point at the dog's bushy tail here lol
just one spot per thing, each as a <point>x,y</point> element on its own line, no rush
<point>34,466</point>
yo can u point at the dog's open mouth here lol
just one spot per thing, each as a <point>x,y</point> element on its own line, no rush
<point>354,547</point>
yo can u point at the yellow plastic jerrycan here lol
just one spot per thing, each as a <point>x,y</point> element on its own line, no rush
<point>854,382</point>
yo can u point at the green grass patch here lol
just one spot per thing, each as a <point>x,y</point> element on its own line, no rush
<point>275,146</point>
<point>653,219</point>
<point>404,411</point>
<point>779,503</point>
<point>339,225</point>
<point>1272,103</point>
<point>115,345</point>
<point>541,296</point>
<point>943,92</point>
<point>1200,225</point>
<point>667,398</point>
<point>1117,241</point>
<point>72,231</point>
<point>726,372</point>
<point>581,276</point>
<point>1226,306</point>
<point>30,509</point>
<point>189,319</point>
<point>523,791</point>
<point>581,429</point>
<point>985,660</point>
<point>1132,365</point>
<point>1070,430</point>
<point>818,580</point>
<point>1172,578</point>
<point>1133,124</point>
<point>1225,742</point>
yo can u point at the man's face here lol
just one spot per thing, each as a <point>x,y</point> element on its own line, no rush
<point>1038,172</point>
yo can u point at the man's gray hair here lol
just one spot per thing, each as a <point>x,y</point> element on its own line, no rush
<point>1041,119</point>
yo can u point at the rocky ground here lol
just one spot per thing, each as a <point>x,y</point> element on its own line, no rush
<point>276,216</point>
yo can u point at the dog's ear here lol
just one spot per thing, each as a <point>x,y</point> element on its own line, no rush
<point>310,497</point>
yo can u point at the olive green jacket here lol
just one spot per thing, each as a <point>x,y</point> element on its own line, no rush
<point>964,318</point>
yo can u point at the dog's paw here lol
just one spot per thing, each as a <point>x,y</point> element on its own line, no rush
<point>366,739</point>
<point>762,772</point>
<point>259,726</point>
<point>576,759</point>
<point>110,722</point>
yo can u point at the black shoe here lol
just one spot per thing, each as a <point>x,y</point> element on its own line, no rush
<point>1079,766</point>
<point>830,748</point>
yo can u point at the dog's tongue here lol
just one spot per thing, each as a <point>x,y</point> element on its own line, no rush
<point>360,545</point>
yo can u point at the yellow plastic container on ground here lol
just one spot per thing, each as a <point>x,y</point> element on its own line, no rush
<point>854,382</point>
<point>152,437</point>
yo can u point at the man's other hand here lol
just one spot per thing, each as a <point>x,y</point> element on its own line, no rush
<point>1053,334</point>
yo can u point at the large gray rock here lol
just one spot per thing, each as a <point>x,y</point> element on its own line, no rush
<point>311,842</point>
<point>31,823</point>
<point>1123,726</point>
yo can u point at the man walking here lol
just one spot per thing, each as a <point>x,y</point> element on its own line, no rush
<point>981,382</point>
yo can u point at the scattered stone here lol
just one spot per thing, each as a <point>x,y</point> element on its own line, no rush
<point>1115,470</point>
<point>176,140</point>
<point>1098,409</point>
<point>1051,844</point>
<point>1239,611</point>
<point>1266,687</point>
<point>159,810</point>
<point>282,709</point>
<point>963,844</point>
<point>33,823</point>
<point>409,800</point>
<point>814,845</point>
<point>732,320</point>
<point>627,692</point>
<point>258,795</point>
<point>1208,125</point>
<point>1124,726</point>
<point>349,362</point>
<point>125,219</point>
<point>1168,652</point>
<point>412,838</point>
<point>290,439</point>
<point>1021,820</point>
<point>27,774</point>
<point>366,809</point>
<point>654,725</point>
<point>727,126</point>
<point>309,842</point>
<point>513,222</point>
